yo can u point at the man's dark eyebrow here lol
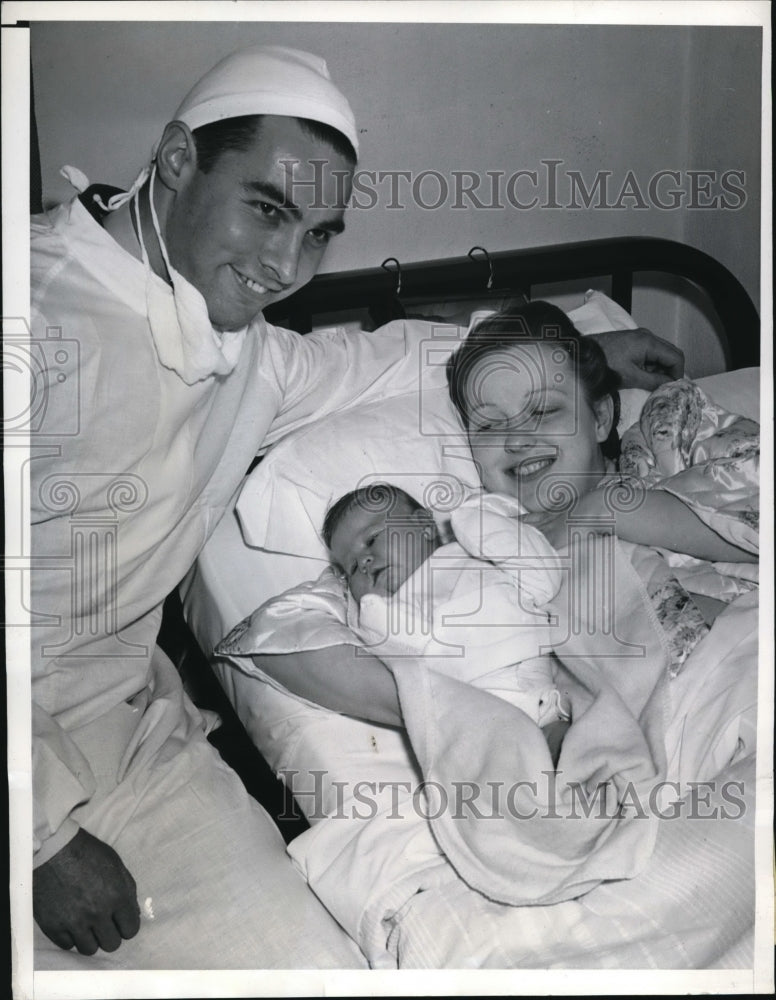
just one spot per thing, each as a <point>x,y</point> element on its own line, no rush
<point>276,194</point>
<point>333,226</point>
<point>273,192</point>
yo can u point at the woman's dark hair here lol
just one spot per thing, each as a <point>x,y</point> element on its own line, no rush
<point>239,133</point>
<point>536,321</point>
<point>378,497</point>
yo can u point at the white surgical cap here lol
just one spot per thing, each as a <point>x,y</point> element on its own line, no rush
<point>260,80</point>
<point>269,80</point>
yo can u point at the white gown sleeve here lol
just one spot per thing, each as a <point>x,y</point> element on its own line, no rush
<point>62,780</point>
<point>332,369</point>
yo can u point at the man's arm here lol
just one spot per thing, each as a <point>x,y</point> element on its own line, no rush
<point>642,360</point>
<point>82,894</point>
<point>326,371</point>
<point>342,678</point>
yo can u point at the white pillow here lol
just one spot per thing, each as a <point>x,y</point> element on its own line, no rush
<point>413,440</point>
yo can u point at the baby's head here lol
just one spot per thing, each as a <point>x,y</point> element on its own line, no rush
<point>378,536</point>
<point>539,403</point>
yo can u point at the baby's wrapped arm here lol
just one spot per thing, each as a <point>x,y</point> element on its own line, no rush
<point>312,615</point>
<point>489,526</point>
<point>300,642</point>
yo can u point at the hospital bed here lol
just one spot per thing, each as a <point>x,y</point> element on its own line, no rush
<point>270,544</point>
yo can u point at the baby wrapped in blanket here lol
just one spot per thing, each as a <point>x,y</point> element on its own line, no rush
<point>479,618</point>
<point>472,607</point>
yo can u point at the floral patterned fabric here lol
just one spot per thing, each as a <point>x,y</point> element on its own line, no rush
<point>709,458</point>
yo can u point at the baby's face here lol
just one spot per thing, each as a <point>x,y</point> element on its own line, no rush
<point>377,551</point>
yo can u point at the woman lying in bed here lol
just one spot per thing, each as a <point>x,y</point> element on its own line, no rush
<point>540,408</point>
<point>654,706</point>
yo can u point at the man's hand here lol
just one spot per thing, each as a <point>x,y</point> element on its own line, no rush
<point>84,896</point>
<point>642,360</point>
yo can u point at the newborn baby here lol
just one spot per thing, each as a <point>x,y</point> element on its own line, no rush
<point>474,604</point>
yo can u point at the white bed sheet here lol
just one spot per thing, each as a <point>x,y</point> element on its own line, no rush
<point>297,736</point>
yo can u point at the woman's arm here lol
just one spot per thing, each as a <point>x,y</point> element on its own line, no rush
<point>666,521</point>
<point>342,678</point>
<point>661,520</point>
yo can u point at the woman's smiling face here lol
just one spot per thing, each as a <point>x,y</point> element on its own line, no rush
<point>531,427</point>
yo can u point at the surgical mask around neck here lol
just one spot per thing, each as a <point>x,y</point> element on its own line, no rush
<point>183,335</point>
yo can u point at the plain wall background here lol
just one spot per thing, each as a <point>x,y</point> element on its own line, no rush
<point>456,97</point>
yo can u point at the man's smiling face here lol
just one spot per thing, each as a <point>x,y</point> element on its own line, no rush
<point>253,229</point>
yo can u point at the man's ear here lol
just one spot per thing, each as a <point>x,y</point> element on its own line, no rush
<point>176,157</point>
<point>604,418</point>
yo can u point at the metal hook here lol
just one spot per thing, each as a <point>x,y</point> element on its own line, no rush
<point>393,260</point>
<point>487,258</point>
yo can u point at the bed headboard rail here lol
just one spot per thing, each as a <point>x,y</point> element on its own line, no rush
<point>519,270</point>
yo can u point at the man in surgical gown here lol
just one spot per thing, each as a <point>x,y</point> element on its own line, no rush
<point>162,383</point>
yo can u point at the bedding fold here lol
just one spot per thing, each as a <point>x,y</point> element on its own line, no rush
<point>553,835</point>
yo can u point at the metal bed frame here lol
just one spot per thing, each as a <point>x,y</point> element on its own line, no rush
<point>384,290</point>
